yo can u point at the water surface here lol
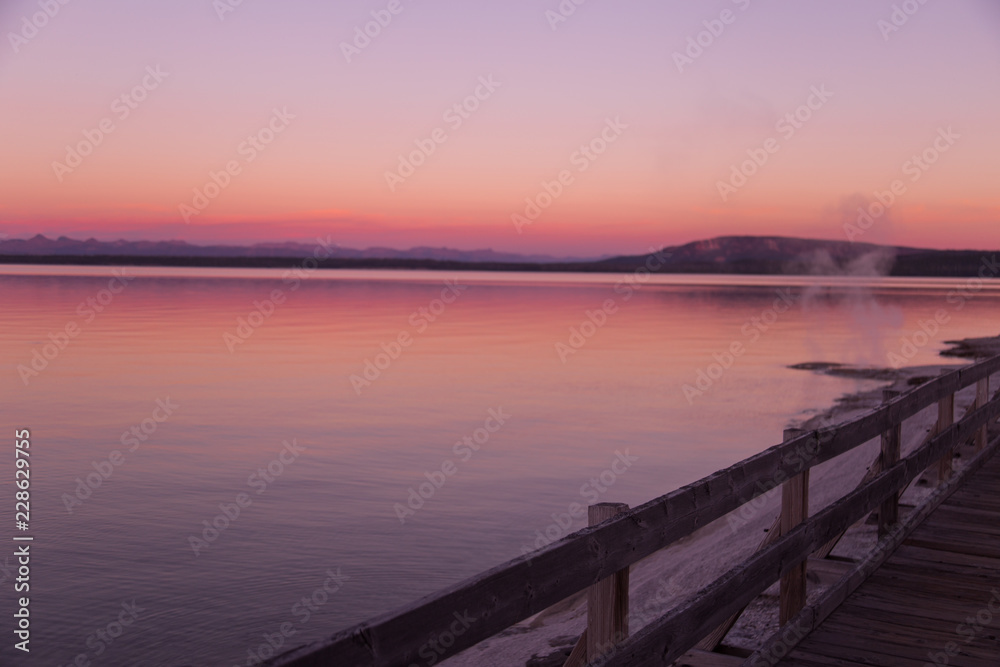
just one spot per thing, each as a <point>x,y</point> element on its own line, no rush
<point>503,345</point>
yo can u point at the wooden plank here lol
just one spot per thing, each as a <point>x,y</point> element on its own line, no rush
<point>941,558</point>
<point>898,635</point>
<point>803,658</point>
<point>946,544</point>
<point>917,635</point>
<point>974,500</point>
<point>955,585</point>
<point>978,527</point>
<point>794,510</point>
<point>699,658</point>
<point>982,398</point>
<point>607,600</point>
<point>889,650</point>
<point>888,514</point>
<point>946,417</point>
<point>831,569</point>
<point>858,653</point>
<point>947,569</point>
<point>958,513</point>
<point>861,599</point>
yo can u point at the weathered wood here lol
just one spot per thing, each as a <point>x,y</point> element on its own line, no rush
<point>888,514</point>
<point>699,658</point>
<point>828,568</point>
<point>670,636</point>
<point>714,638</point>
<point>607,600</point>
<point>578,656</point>
<point>513,591</point>
<point>902,600</point>
<point>794,510</point>
<point>946,416</point>
<point>874,469</point>
<point>982,397</point>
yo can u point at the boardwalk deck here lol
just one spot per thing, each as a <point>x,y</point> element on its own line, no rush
<point>935,601</point>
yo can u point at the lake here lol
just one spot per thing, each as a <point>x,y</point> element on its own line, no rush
<point>220,454</point>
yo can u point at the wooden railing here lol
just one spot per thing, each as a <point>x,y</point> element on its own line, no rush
<point>465,614</point>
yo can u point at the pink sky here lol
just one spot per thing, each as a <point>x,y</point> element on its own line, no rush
<point>543,92</point>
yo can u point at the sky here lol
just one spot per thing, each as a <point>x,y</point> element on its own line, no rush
<point>526,126</point>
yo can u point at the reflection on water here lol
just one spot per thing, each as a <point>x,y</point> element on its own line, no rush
<point>216,445</point>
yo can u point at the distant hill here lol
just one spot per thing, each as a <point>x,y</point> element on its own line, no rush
<point>785,255</point>
<point>766,255</point>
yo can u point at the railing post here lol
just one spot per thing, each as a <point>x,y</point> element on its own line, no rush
<point>888,514</point>
<point>982,398</point>
<point>607,600</point>
<point>794,510</point>
<point>946,417</point>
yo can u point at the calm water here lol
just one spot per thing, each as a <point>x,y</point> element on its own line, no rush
<point>359,447</point>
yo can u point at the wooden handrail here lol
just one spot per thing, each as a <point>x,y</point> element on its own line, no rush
<point>669,637</point>
<point>509,593</point>
<point>782,643</point>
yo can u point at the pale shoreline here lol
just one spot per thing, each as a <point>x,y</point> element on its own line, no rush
<point>665,578</point>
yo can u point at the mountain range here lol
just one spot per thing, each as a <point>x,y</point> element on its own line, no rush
<point>39,245</point>
<point>726,254</point>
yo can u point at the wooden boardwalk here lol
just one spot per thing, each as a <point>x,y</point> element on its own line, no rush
<point>935,601</point>
<point>907,603</point>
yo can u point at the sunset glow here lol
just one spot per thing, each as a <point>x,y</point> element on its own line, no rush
<point>610,128</point>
